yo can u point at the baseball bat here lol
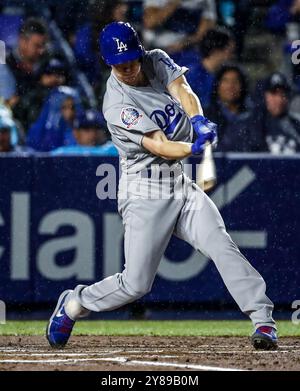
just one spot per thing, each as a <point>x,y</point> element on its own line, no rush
<point>206,174</point>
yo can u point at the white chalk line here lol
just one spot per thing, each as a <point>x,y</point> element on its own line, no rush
<point>28,348</point>
<point>58,352</point>
<point>138,349</point>
<point>25,353</point>
<point>87,355</point>
<point>83,355</point>
<point>122,360</point>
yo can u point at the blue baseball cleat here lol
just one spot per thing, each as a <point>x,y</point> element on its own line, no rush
<point>264,338</point>
<point>60,325</point>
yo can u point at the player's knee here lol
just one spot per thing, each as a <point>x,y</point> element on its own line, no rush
<point>137,289</point>
<point>219,242</point>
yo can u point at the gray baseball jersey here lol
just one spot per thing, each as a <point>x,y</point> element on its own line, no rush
<point>149,223</point>
<point>131,112</point>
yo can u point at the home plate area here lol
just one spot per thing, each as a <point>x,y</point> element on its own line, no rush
<point>104,353</point>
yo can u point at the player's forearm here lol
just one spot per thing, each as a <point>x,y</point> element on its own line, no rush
<point>189,101</point>
<point>175,150</point>
<point>157,143</point>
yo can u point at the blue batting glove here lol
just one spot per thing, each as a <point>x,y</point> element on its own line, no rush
<point>198,147</point>
<point>204,129</point>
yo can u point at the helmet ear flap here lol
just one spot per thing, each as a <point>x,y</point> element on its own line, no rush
<point>119,43</point>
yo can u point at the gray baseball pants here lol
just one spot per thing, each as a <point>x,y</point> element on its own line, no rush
<point>152,210</point>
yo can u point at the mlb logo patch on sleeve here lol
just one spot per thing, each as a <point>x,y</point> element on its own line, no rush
<point>130,116</point>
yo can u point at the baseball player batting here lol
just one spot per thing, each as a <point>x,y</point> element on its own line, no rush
<point>155,121</point>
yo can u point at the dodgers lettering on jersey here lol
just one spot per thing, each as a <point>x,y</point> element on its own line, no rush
<point>131,112</point>
<point>167,119</point>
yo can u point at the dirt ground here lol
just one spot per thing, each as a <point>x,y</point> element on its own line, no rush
<point>99,353</point>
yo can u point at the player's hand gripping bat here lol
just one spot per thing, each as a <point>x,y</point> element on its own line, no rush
<point>207,133</point>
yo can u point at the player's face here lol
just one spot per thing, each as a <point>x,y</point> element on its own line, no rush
<point>128,72</point>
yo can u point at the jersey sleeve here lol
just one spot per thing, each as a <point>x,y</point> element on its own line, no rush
<point>131,122</point>
<point>165,67</point>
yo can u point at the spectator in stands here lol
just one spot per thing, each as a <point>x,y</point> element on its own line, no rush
<point>7,86</point>
<point>53,74</point>
<point>53,127</point>
<point>216,48</point>
<point>86,47</point>
<point>281,14</point>
<point>176,25</point>
<point>283,18</point>
<point>236,15</point>
<point>7,145</point>
<point>91,137</point>
<point>69,14</point>
<point>280,127</point>
<point>229,110</point>
<point>16,135</point>
<point>21,72</point>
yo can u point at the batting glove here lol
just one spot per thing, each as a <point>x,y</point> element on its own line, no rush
<point>204,129</point>
<point>198,147</point>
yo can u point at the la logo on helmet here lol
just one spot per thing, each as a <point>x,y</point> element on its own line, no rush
<point>121,46</point>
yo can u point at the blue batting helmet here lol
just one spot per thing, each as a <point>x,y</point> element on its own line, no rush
<point>120,43</point>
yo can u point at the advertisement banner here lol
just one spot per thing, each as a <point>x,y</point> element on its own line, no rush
<point>55,232</point>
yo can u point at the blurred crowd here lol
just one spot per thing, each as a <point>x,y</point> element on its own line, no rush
<point>53,79</point>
